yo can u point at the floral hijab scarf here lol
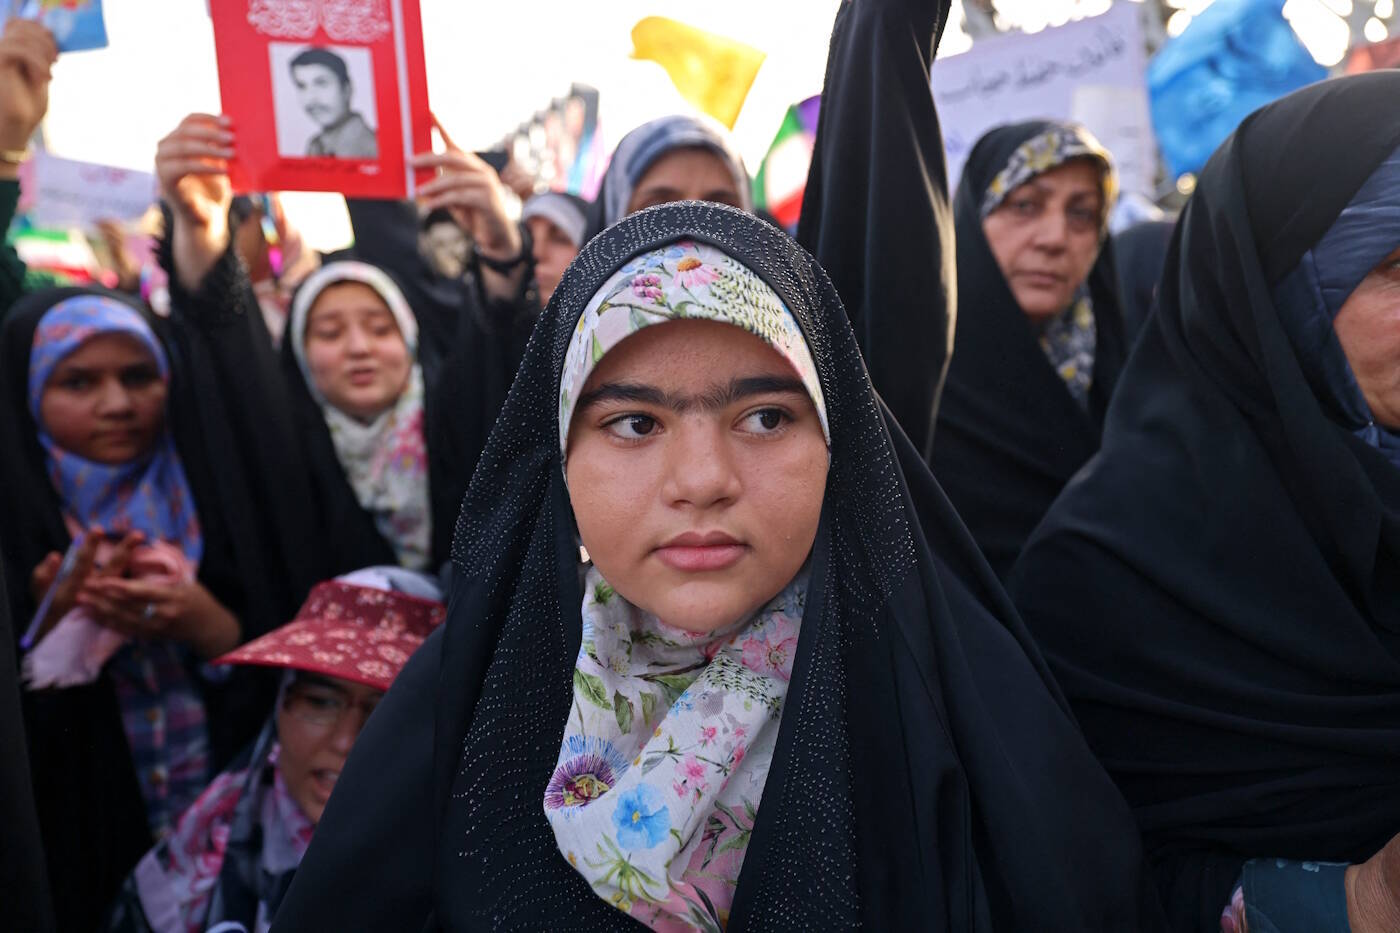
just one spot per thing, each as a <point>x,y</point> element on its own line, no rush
<point>151,494</point>
<point>230,857</point>
<point>385,461</point>
<point>671,733</point>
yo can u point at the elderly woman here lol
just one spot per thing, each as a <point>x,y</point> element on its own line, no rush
<point>711,661</point>
<point>1219,591</point>
<point>233,852</point>
<point>1039,342</point>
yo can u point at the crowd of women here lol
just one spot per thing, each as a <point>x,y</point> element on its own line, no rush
<point>919,576</point>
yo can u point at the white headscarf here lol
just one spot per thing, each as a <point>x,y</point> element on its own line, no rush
<point>385,461</point>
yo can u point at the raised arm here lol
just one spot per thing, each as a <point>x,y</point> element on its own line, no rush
<point>216,317</point>
<point>876,213</point>
<point>27,52</point>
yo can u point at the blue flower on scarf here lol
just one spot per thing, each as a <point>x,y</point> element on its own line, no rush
<point>641,818</point>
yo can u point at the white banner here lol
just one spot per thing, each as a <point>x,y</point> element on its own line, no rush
<point>67,193</point>
<point>1092,71</point>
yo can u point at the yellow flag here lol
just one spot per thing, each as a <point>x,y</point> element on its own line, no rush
<point>712,72</point>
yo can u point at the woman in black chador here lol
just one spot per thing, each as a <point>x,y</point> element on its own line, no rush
<point>1039,342</point>
<point>1219,591</point>
<point>777,688</point>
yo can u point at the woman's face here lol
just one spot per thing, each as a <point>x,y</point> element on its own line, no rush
<point>688,174</point>
<point>1046,235</point>
<point>105,401</point>
<point>1368,328</point>
<point>355,351</point>
<point>553,252</point>
<point>317,724</point>
<point>696,467</point>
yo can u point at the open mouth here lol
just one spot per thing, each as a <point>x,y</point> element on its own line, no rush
<point>325,781</point>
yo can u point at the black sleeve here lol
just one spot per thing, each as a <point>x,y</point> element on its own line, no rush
<point>12,269</point>
<point>236,376</point>
<point>370,865</point>
<point>386,233</point>
<point>24,887</point>
<point>876,212</point>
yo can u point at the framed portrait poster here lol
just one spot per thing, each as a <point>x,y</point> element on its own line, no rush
<point>325,95</point>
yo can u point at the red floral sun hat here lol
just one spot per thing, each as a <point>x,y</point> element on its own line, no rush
<point>356,633</point>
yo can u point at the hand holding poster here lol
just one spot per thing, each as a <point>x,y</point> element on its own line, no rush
<point>325,95</point>
<point>76,25</point>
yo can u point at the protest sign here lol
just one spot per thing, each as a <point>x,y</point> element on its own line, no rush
<point>561,147</point>
<point>77,25</point>
<point>1091,71</point>
<point>325,95</point>
<point>67,193</point>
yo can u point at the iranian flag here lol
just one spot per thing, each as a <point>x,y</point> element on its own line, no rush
<point>782,177</point>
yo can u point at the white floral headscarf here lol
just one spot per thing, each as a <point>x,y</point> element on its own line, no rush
<point>385,461</point>
<point>683,281</point>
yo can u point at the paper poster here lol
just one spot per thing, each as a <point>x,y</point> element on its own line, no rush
<point>1091,71</point>
<point>68,193</point>
<point>325,95</point>
<point>77,25</point>
<point>561,146</point>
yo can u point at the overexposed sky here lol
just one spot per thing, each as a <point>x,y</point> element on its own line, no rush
<point>490,66</point>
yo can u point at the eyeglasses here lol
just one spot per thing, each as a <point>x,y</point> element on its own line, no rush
<point>323,707</point>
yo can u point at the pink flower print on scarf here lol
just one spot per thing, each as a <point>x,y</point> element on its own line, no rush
<point>771,649</point>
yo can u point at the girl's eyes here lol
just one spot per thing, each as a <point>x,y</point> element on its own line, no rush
<point>631,427</point>
<point>765,421</point>
<point>74,383</point>
<point>326,334</point>
<point>635,427</point>
<point>1024,207</point>
<point>137,378</point>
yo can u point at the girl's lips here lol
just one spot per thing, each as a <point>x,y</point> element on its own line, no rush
<point>362,377</point>
<point>699,558</point>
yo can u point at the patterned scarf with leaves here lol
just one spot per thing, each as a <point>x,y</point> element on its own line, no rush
<point>665,754</point>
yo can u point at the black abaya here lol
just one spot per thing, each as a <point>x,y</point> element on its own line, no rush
<point>876,212</point>
<point>1219,591</point>
<point>24,885</point>
<point>927,773</point>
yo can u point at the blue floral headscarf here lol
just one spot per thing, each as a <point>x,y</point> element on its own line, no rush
<point>149,494</point>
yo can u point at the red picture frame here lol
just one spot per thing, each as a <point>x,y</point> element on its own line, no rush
<point>324,95</point>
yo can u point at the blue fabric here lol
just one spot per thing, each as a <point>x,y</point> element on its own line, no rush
<point>150,494</point>
<point>1234,57</point>
<point>1309,297</point>
<point>1282,896</point>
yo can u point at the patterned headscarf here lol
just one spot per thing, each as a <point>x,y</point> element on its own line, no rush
<point>671,734</point>
<point>149,494</point>
<point>385,461</point>
<point>683,281</point>
<point>1060,143</point>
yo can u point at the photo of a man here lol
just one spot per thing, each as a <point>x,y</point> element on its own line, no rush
<point>325,91</point>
